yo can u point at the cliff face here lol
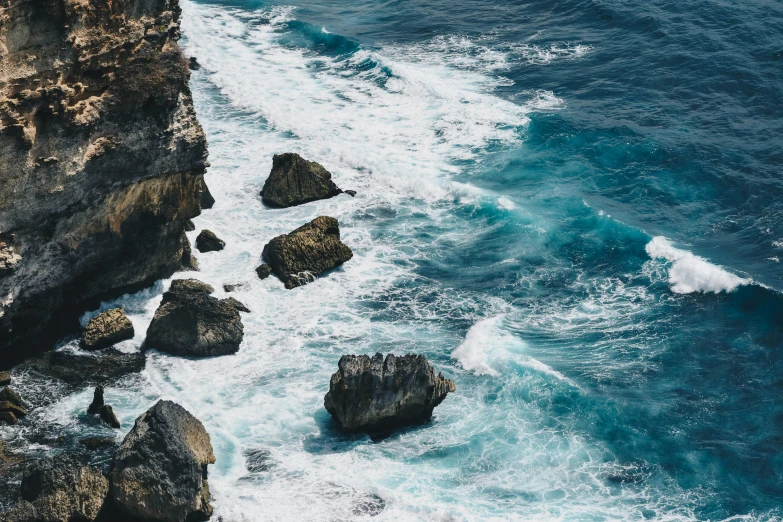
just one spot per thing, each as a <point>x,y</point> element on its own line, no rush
<point>101,156</point>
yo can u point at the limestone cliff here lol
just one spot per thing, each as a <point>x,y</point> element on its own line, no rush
<point>101,157</point>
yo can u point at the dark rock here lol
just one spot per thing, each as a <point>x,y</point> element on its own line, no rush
<point>102,160</point>
<point>207,201</point>
<point>193,64</point>
<point>258,460</point>
<point>237,304</point>
<point>191,322</point>
<point>264,271</point>
<point>160,470</point>
<point>189,261</point>
<point>5,378</point>
<point>294,181</point>
<point>107,415</point>
<point>298,257</point>
<point>7,417</point>
<point>105,366</point>
<point>106,329</point>
<point>190,226</point>
<point>61,489</point>
<point>9,406</point>
<point>207,241</point>
<point>97,401</point>
<point>7,394</point>
<point>351,193</point>
<point>371,394</point>
<point>190,285</point>
<point>95,443</point>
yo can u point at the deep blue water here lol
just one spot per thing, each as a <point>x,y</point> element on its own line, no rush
<point>574,208</point>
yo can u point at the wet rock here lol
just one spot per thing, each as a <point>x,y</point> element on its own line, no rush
<point>61,489</point>
<point>8,406</point>
<point>160,470</point>
<point>373,394</point>
<point>189,226</point>
<point>189,261</point>
<point>207,241</point>
<point>7,394</point>
<point>264,271</point>
<point>107,415</point>
<point>207,201</point>
<point>97,401</point>
<point>351,193</point>
<point>298,257</point>
<point>190,285</point>
<point>7,417</point>
<point>191,322</point>
<point>193,64</point>
<point>294,181</point>
<point>106,329</point>
<point>258,460</point>
<point>237,304</point>
<point>369,505</point>
<point>105,366</point>
<point>96,443</point>
<point>5,378</point>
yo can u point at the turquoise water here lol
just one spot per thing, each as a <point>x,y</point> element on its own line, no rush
<point>573,209</point>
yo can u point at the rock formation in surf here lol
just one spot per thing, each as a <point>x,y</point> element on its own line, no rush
<point>104,411</point>
<point>101,158</point>
<point>160,470</point>
<point>376,394</point>
<point>207,241</point>
<point>294,181</point>
<point>191,322</point>
<point>299,256</point>
<point>107,328</point>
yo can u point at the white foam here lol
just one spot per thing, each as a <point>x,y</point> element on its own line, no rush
<point>689,273</point>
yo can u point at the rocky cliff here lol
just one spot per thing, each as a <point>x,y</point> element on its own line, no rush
<point>101,157</point>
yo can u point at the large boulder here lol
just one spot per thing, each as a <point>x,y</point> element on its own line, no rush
<point>191,322</point>
<point>60,489</point>
<point>298,257</point>
<point>159,472</point>
<point>107,328</point>
<point>373,394</point>
<point>294,181</point>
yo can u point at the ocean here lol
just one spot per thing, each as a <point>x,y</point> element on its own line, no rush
<point>574,209</point>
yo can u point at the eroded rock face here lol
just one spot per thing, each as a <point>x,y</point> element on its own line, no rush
<point>101,157</point>
<point>160,470</point>
<point>294,181</point>
<point>61,489</point>
<point>107,328</point>
<point>375,394</point>
<point>298,257</point>
<point>191,322</point>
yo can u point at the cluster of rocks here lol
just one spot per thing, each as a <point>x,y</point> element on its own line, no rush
<point>159,473</point>
<point>12,407</point>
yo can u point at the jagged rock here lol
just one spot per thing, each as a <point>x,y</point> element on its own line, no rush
<point>97,401</point>
<point>193,64</point>
<point>107,415</point>
<point>96,443</point>
<point>189,261</point>
<point>5,378</point>
<point>232,287</point>
<point>190,285</point>
<point>103,88</point>
<point>160,470</point>
<point>264,271</point>
<point>351,193</point>
<point>191,322</point>
<point>7,394</point>
<point>294,181</point>
<point>106,329</point>
<point>7,417</point>
<point>237,304</point>
<point>371,394</point>
<point>190,226</point>
<point>61,489</point>
<point>206,199</point>
<point>9,406</point>
<point>298,257</point>
<point>207,241</point>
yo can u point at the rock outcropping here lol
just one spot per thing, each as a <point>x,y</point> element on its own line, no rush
<point>107,328</point>
<point>191,322</point>
<point>373,394</point>
<point>299,256</point>
<point>160,470</point>
<point>101,157</point>
<point>294,181</point>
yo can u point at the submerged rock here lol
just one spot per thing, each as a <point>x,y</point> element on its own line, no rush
<point>191,322</point>
<point>107,328</point>
<point>61,489</point>
<point>294,181</point>
<point>104,366</point>
<point>298,257</point>
<point>372,394</point>
<point>207,241</point>
<point>160,470</point>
